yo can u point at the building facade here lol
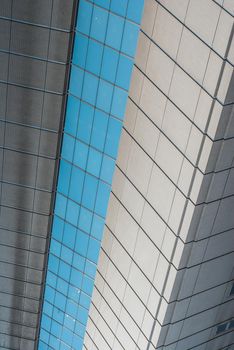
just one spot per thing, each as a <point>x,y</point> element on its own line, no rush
<point>165,273</point>
<point>35,50</point>
<point>117,176</point>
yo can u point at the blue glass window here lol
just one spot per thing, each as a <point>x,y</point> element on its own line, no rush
<point>102,3</point>
<point>64,270</point>
<point>124,72</point>
<point>119,102</point>
<point>68,147</point>
<point>55,247</point>
<point>63,346</point>
<point>84,16</point>
<point>135,9</point>
<point>76,185</point>
<point>90,88</point>
<point>66,254</point>
<point>102,198</point>
<point>85,300</point>
<point>77,343</point>
<point>72,213</point>
<point>95,51</point>
<point>94,162</point>
<point>76,81</point>
<point>74,293</point>
<point>130,38</point>
<point>80,329</point>
<point>114,31</point>
<point>109,64</point>
<point>67,336</point>
<point>46,322</point>
<point>104,95</point>
<point>42,345</point>
<point>90,189</point>
<point>53,264</point>
<point>48,308</point>
<point>57,230</point>
<point>81,154</point>
<point>60,301</point>
<point>44,336</point>
<point>69,322</point>
<point>80,50</point>
<point>119,7</point>
<point>58,315</point>
<point>81,243</point>
<point>56,328</point>
<point>99,130</point>
<point>108,166</point>
<point>112,138</point>
<point>87,285</point>
<point>69,236</point>
<point>78,261</point>
<point>51,279</point>
<point>82,315</point>
<point>54,342</point>
<point>98,26</point>
<point>85,220</point>
<point>97,227</point>
<point>71,308</point>
<point>76,278</point>
<point>64,177</point>
<point>72,111</point>
<point>90,268</point>
<point>85,122</point>
<point>62,286</point>
<point>93,250</point>
<point>49,294</point>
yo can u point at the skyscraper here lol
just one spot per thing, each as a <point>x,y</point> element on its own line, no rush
<point>164,247</point>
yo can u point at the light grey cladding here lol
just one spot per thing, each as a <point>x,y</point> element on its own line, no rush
<point>166,266</point>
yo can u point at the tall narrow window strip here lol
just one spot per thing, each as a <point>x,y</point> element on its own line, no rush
<point>104,48</point>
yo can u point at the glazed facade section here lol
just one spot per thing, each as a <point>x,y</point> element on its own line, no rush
<point>165,273</point>
<point>105,40</point>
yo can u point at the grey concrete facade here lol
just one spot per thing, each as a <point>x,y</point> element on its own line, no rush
<point>34,55</point>
<point>165,273</point>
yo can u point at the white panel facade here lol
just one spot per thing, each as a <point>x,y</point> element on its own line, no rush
<point>165,274</point>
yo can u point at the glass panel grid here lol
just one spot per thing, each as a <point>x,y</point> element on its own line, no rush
<point>104,47</point>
